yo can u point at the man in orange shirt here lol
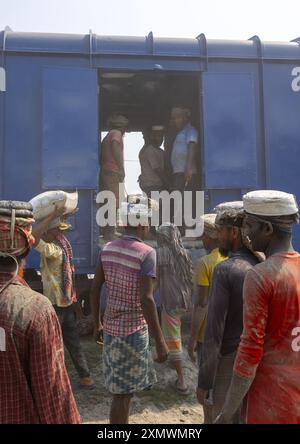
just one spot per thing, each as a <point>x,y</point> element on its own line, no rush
<point>267,365</point>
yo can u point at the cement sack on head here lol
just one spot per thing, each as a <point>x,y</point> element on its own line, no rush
<point>43,204</point>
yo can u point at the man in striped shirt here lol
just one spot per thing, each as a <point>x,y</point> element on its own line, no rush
<point>128,267</point>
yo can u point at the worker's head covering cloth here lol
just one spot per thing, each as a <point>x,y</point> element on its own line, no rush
<point>157,128</point>
<point>16,219</point>
<point>186,112</point>
<point>232,214</point>
<point>209,225</point>
<point>276,207</point>
<point>172,252</point>
<point>117,121</point>
<point>16,238</point>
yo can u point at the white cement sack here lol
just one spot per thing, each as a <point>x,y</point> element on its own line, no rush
<point>43,204</point>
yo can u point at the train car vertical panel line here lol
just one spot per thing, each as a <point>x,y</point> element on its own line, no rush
<point>262,154</point>
<point>204,68</point>
<point>3,87</point>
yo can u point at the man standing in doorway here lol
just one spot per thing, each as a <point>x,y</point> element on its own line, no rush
<point>152,161</point>
<point>183,156</point>
<point>112,172</point>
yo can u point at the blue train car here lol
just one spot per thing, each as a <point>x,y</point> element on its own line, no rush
<point>57,90</point>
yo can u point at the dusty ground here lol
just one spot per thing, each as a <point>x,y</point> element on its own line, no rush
<point>160,405</point>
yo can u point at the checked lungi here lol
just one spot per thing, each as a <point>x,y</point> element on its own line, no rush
<point>127,363</point>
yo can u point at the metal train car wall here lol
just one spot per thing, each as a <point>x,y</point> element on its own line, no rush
<point>56,91</point>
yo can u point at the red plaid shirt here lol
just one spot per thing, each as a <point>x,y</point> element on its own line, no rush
<point>35,386</point>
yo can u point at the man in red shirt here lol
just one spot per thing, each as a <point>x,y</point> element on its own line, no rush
<point>267,365</point>
<point>112,172</point>
<point>34,384</point>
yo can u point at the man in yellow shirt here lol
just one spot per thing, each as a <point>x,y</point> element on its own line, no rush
<point>203,277</point>
<point>57,272</point>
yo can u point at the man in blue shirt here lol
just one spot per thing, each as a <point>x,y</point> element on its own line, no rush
<point>183,156</point>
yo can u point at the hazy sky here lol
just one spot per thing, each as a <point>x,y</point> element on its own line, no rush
<point>237,19</point>
<point>231,19</point>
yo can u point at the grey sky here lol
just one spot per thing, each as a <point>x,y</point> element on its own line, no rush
<point>236,19</point>
<point>231,19</point>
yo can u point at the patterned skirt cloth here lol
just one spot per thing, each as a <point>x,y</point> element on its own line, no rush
<point>171,328</point>
<point>127,363</point>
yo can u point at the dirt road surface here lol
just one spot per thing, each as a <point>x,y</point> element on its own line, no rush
<point>160,405</point>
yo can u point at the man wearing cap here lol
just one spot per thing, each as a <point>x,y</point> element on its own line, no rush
<point>112,172</point>
<point>203,277</point>
<point>128,267</point>
<point>35,388</point>
<point>225,309</point>
<point>152,161</point>
<point>267,365</point>
<point>58,278</point>
<point>183,155</point>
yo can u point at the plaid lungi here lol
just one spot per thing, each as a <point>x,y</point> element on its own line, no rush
<point>127,363</point>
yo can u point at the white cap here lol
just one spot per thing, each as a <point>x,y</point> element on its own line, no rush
<point>270,203</point>
<point>157,127</point>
